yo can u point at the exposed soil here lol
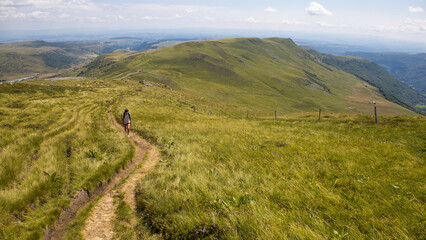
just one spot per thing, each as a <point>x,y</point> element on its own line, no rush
<point>98,226</point>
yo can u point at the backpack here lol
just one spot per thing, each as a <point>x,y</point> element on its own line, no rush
<point>123,117</point>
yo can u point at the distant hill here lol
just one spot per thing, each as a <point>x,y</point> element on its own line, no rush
<point>393,89</point>
<point>409,68</point>
<point>248,73</point>
<point>26,58</point>
<point>22,59</point>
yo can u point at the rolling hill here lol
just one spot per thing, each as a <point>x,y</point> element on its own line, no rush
<point>26,58</point>
<point>392,88</point>
<point>21,59</point>
<point>260,75</point>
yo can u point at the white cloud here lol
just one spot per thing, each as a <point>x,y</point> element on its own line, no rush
<point>6,3</point>
<point>410,25</point>
<point>191,10</point>
<point>316,9</point>
<point>415,25</point>
<point>178,16</point>
<point>292,22</point>
<point>39,14</point>
<point>251,20</point>
<point>92,19</point>
<point>64,15</point>
<point>270,9</point>
<point>150,18</point>
<point>10,13</point>
<point>415,9</point>
<point>324,24</point>
<point>381,28</point>
<point>115,18</point>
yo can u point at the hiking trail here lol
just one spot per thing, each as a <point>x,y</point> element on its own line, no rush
<point>99,224</point>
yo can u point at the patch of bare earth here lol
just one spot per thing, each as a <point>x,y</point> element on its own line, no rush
<point>99,225</point>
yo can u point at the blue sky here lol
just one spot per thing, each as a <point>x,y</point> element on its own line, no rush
<point>398,19</point>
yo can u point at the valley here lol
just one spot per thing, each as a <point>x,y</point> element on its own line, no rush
<point>409,68</point>
<point>390,87</point>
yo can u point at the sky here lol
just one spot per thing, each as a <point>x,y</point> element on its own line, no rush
<point>394,19</point>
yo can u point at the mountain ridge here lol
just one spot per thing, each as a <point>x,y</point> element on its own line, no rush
<point>253,73</point>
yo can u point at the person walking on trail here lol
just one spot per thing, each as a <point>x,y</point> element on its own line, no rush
<point>126,121</point>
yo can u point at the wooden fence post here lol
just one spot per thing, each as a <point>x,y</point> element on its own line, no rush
<point>275,115</point>
<point>319,115</point>
<point>375,113</point>
<point>247,113</point>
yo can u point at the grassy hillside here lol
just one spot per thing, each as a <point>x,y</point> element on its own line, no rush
<point>220,175</point>
<point>391,88</point>
<point>409,68</point>
<point>295,178</point>
<point>55,140</point>
<point>261,75</point>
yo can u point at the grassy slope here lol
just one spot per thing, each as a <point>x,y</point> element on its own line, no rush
<point>344,177</point>
<point>392,88</point>
<point>55,141</point>
<point>219,176</point>
<point>259,74</point>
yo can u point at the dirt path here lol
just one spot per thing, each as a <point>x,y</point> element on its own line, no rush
<point>99,226</point>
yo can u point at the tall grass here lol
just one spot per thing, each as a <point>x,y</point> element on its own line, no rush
<point>295,178</point>
<point>220,175</point>
<point>49,132</point>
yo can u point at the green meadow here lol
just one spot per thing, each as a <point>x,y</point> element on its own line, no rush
<point>221,175</point>
<point>55,140</point>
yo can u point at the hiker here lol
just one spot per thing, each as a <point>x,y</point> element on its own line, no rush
<point>126,121</point>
